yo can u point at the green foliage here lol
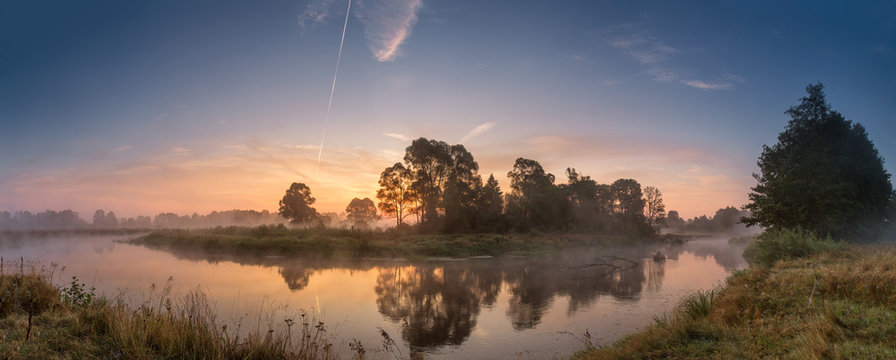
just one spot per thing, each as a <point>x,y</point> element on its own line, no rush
<point>823,175</point>
<point>776,245</point>
<point>77,293</point>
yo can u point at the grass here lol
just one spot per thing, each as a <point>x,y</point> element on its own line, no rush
<point>282,240</point>
<point>832,303</point>
<point>775,245</point>
<point>39,321</point>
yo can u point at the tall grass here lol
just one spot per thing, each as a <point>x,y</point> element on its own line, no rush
<point>834,304</point>
<point>784,244</point>
<point>38,322</point>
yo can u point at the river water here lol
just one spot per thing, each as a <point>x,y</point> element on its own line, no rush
<point>510,307</point>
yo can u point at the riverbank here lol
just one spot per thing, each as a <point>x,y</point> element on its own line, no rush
<point>836,304</point>
<point>40,321</point>
<point>281,240</point>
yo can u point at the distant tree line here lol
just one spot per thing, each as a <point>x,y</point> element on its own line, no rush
<point>439,187</point>
<point>725,220</point>
<point>70,220</point>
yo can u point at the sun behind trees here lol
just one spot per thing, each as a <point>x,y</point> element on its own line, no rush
<point>439,184</point>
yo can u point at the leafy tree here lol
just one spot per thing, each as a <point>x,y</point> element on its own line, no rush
<point>823,175</point>
<point>534,200</point>
<point>99,219</point>
<point>296,204</point>
<point>629,203</point>
<point>674,221</point>
<point>360,212</point>
<point>654,209</point>
<point>429,161</point>
<point>396,195</point>
<point>111,219</point>
<point>582,196</point>
<point>462,190</point>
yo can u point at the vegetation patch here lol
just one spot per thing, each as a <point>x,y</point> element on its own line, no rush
<point>281,240</point>
<point>832,304</point>
<point>37,321</point>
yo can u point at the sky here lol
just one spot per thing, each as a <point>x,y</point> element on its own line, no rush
<point>195,106</point>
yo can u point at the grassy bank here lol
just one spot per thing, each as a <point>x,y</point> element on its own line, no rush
<point>41,321</point>
<point>281,240</point>
<point>820,301</point>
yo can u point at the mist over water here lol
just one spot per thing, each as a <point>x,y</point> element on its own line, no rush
<point>469,308</point>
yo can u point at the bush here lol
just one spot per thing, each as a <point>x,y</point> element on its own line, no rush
<point>785,244</point>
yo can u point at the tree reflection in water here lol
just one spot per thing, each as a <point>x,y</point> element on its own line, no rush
<point>437,303</point>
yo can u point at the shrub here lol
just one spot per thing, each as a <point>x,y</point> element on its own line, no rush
<point>785,244</point>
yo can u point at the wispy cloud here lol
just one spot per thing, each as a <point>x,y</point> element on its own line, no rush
<point>707,85</point>
<point>315,13</point>
<point>655,55</point>
<point>398,136</point>
<point>387,24</point>
<point>123,148</point>
<point>478,130</point>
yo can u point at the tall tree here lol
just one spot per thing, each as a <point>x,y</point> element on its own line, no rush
<point>361,211</point>
<point>296,204</point>
<point>581,194</point>
<point>491,206</point>
<point>629,204</point>
<point>429,161</point>
<point>462,190</point>
<point>824,175</point>
<point>654,209</point>
<point>396,194</point>
<point>534,200</point>
<point>99,219</point>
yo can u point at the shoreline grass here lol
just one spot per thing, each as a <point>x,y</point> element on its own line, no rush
<point>282,240</point>
<point>41,321</point>
<point>836,303</point>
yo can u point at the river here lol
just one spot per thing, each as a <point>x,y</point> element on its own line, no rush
<point>509,307</point>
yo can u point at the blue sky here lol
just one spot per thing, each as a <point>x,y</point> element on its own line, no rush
<point>189,106</point>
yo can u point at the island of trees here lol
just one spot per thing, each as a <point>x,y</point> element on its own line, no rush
<point>439,188</point>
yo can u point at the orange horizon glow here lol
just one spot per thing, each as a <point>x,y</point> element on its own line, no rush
<point>255,177</point>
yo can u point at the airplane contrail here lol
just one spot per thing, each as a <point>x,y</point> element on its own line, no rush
<point>333,87</point>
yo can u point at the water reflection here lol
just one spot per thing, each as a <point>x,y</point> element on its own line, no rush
<point>438,303</point>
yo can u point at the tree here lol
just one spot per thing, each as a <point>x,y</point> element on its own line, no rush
<point>462,190</point>
<point>534,200</point>
<point>675,222</point>
<point>823,175</point>
<point>654,209</point>
<point>296,204</point>
<point>396,195</point>
<point>360,212</point>
<point>491,206</point>
<point>99,219</point>
<point>585,206</point>
<point>430,163</point>
<point>629,204</point>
